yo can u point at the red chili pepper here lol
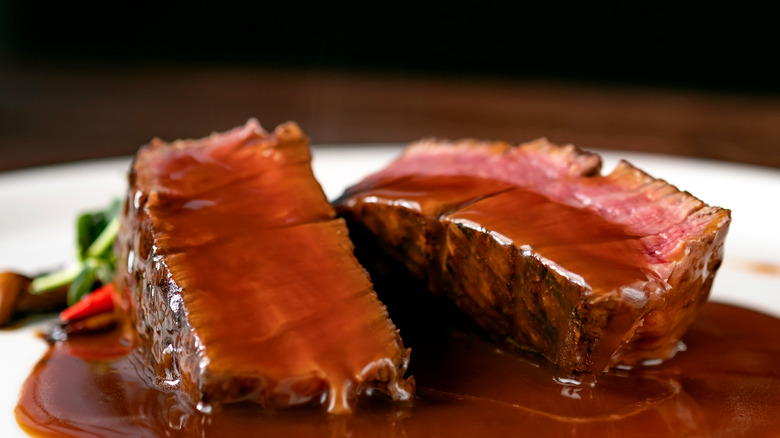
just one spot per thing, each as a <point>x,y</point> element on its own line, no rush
<point>96,302</point>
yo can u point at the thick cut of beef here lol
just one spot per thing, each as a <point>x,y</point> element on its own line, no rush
<point>240,282</point>
<point>535,245</point>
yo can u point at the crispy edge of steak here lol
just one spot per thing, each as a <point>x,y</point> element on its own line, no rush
<point>151,302</point>
<point>157,319</point>
<point>518,296</point>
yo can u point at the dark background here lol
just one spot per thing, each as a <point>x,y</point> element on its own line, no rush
<point>710,47</point>
<point>80,82</point>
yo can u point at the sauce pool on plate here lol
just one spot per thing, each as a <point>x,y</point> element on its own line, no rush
<point>725,383</point>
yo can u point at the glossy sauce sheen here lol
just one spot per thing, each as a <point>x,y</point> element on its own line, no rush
<point>725,384</point>
<point>559,279</point>
<point>606,254</point>
<point>242,284</point>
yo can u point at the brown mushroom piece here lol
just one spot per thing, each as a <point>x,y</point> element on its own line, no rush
<point>51,301</point>
<point>12,286</point>
<point>15,296</point>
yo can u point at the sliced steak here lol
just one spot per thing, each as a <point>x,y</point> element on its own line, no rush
<point>535,245</point>
<point>240,282</point>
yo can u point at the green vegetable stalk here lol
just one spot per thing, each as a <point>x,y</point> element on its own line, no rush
<point>95,235</point>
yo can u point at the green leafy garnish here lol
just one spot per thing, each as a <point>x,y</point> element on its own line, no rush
<point>95,234</point>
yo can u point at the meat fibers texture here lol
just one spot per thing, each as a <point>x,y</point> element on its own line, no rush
<point>538,247</point>
<point>240,282</point>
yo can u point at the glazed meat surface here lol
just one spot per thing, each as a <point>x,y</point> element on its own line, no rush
<point>535,245</point>
<point>240,282</point>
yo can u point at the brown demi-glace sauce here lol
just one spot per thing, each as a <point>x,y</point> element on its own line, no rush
<point>231,265</point>
<point>726,383</point>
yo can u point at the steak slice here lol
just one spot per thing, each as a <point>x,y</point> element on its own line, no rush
<point>241,283</point>
<point>535,245</point>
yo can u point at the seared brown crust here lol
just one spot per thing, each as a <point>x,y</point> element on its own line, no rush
<point>512,290</point>
<point>227,259</point>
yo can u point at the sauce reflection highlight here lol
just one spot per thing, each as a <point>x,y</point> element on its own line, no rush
<point>725,384</point>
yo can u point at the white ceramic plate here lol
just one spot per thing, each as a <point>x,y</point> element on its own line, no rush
<point>38,208</point>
